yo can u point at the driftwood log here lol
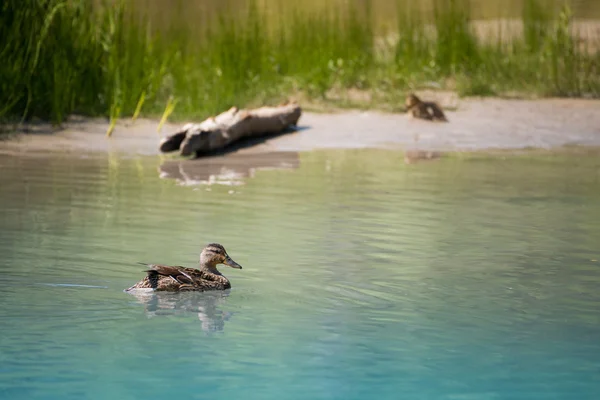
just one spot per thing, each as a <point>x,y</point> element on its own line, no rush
<point>216,133</point>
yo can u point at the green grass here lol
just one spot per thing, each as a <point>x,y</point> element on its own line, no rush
<point>65,57</point>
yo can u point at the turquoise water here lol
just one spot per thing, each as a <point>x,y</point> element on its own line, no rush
<point>363,277</point>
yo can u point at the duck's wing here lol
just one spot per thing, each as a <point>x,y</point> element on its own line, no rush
<point>436,113</point>
<point>178,273</point>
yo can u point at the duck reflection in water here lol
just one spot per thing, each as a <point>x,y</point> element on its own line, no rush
<point>231,169</point>
<point>204,304</point>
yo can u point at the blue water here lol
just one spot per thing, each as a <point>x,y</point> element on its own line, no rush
<point>363,278</point>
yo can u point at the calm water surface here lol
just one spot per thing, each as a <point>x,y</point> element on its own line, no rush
<point>363,278</point>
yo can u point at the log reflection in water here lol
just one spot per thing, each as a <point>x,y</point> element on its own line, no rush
<point>231,169</point>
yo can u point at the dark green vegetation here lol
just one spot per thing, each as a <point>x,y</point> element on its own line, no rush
<point>64,57</point>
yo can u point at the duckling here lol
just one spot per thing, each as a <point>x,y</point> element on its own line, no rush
<point>177,279</point>
<point>427,110</point>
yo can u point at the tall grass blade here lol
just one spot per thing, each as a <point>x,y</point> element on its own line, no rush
<point>168,110</point>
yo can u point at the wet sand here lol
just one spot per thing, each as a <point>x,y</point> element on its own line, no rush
<point>476,124</point>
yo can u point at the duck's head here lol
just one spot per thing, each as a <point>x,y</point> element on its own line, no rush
<point>412,100</point>
<point>214,254</point>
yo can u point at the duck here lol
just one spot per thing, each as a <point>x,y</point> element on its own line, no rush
<point>169,278</point>
<point>427,110</point>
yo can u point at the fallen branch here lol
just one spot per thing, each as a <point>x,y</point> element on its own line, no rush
<point>216,133</point>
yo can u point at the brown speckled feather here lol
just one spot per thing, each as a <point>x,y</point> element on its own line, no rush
<point>176,278</point>
<point>427,110</point>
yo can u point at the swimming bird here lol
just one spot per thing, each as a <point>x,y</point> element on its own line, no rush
<point>427,110</point>
<point>177,279</point>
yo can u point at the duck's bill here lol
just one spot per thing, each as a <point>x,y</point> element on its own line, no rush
<point>228,261</point>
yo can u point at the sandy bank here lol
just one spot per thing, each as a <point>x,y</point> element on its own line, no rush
<point>476,124</point>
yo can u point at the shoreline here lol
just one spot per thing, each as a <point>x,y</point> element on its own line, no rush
<point>475,124</point>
